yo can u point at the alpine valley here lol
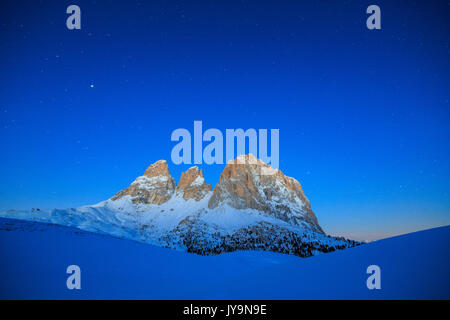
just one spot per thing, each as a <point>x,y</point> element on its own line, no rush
<point>252,207</point>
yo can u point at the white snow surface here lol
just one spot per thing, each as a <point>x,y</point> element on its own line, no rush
<point>199,181</point>
<point>149,183</point>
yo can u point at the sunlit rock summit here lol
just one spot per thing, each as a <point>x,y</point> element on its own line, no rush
<point>156,186</point>
<point>248,183</point>
<point>192,185</point>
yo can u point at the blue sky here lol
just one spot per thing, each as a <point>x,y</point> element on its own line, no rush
<point>363,115</point>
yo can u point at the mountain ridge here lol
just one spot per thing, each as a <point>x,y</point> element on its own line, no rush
<point>252,207</point>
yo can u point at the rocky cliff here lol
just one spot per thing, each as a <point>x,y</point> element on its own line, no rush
<point>248,183</point>
<point>192,185</point>
<point>156,186</point>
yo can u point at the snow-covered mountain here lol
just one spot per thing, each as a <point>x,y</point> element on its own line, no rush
<point>253,207</point>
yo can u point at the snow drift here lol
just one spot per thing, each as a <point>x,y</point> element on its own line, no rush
<point>35,257</point>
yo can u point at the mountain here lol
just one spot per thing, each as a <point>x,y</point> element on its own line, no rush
<point>248,183</point>
<point>192,185</point>
<point>253,207</point>
<point>156,186</point>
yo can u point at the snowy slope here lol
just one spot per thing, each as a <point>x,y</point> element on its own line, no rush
<point>35,257</point>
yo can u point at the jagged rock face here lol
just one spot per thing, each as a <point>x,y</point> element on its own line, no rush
<point>192,185</point>
<point>248,183</point>
<point>156,186</point>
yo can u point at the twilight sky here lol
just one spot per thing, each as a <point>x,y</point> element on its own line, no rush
<point>363,115</point>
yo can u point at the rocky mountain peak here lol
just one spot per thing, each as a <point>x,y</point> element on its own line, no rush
<point>249,183</point>
<point>156,186</point>
<point>159,168</point>
<point>192,185</point>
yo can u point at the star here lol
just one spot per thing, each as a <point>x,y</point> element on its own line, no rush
<point>92,85</point>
